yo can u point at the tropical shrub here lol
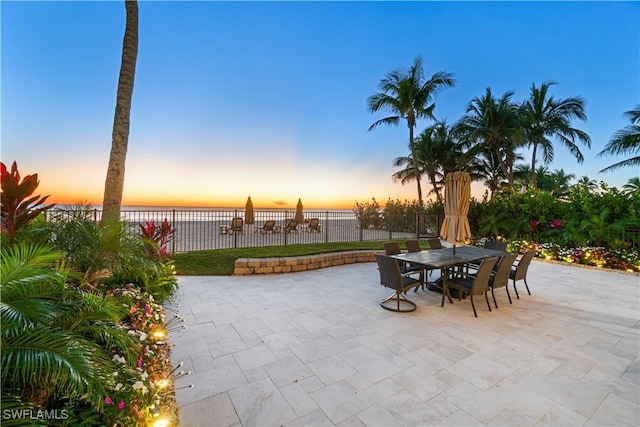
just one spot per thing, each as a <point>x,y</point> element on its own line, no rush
<point>55,338</point>
<point>400,215</point>
<point>368,214</point>
<point>19,207</point>
<point>621,259</point>
<point>157,237</point>
<point>110,254</point>
<point>73,351</point>
<point>136,393</point>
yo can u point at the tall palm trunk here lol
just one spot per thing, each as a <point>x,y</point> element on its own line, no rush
<point>114,182</point>
<point>416,168</point>
<point>534,176</point>
<point>416,165</point>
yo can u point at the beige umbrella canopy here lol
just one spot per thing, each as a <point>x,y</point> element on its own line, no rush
<point>299,216</point>
<point>457,196</point>
<point>249,217</point>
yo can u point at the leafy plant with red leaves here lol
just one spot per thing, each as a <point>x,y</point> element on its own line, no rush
<point>19,207</point>
<point>159,235</point>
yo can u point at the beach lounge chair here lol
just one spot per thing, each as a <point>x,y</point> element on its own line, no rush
<point>268,227</point>
<point>292,226</point>
<point>236,226</point>
<point>314,225</point>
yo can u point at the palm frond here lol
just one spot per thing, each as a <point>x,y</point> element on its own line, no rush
<point>55,358</point>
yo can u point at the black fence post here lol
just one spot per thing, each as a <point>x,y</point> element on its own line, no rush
<point>173,240</point>
<point>326,227</point>
<point>284,228</point>
<point>235,233</point>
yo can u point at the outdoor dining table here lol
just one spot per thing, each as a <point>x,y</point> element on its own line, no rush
<point>440,259</point>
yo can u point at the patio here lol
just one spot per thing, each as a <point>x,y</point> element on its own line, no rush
<point>315,348</point>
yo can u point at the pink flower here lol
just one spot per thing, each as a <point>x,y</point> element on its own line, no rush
<point>108,400</point>
<point>140,362</point>
<point>121,405</point>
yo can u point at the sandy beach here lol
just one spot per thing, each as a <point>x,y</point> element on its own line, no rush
<point>202,235</point>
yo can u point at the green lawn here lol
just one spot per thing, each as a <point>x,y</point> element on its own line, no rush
<point>220,262</point>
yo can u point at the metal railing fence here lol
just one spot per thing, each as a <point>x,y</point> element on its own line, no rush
<point>211,229</point>
<point>202,229</point>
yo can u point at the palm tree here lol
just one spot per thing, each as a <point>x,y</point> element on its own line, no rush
<point>491,172</point>
<point>590,185</point>
<point>626,141</point>
<point>556,182</point>
<point>522,174</point>
<point>492,124</point>
<point>544,118</point>
<point>632,186</point>
<point>407,95</point>
<point>114,182</point>
<point>438,153</point>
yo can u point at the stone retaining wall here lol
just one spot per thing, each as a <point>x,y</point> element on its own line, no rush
<point>245,266</point>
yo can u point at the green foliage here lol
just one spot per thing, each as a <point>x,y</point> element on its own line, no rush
<point>90,247</point>
<point>400,216</point>
<point>53,335</point>
<point>582,217</point>
<point>368,214</point>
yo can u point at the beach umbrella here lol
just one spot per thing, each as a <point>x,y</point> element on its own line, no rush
<point>249,217</point>
<point>457,196</point>
<point>299,216</point>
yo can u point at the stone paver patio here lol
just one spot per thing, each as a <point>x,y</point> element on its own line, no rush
<point>315,348</point>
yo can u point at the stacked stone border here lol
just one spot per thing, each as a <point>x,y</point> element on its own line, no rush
<point>276,265</point>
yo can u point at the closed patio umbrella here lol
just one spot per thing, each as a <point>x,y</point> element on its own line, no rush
<point>299,216</point>
<point>457,196</point>
<point>249,217</point>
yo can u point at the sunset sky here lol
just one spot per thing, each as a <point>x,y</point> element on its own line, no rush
<point>268,99</point>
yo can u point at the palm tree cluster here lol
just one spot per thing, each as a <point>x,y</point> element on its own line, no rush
<point>489,139</point>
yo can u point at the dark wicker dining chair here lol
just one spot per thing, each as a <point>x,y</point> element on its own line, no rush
<point>393,248</point>
<point>519,271</point>
<point>391,277</point>
<point>414,246</point>
<point>434,243</point>
<point>500,277</point>
<point>471,284</point>
<point>496,245</point>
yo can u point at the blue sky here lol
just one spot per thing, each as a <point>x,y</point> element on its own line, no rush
<point>268,99</point>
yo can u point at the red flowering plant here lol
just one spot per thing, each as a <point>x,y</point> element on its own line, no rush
<point>138,391</point>
<point>19,207</point>
<point>158,237</point>
<point>557,223</point>
<point>533,225</point>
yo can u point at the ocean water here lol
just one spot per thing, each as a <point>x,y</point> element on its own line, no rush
<point>174,214</point>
